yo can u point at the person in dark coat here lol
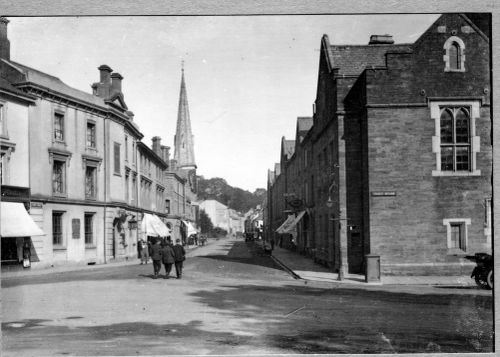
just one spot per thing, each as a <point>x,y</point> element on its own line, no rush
<point>168,258</point>
<point>180,256</point>
<point>156,257</point>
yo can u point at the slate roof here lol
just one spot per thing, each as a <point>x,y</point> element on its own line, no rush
<point>353,59</point>
<point>55,84</point>
<point>289,148</point>
<point>304,124</point>
<point>7,87</point>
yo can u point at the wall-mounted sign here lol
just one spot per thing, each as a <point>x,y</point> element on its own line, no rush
<point>36,204</point>
<point>75,224</point>
<point>383,193</point>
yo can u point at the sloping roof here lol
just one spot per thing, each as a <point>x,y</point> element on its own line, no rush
<point>55,84</point>
<point>7,87</point>
<point>289,148</point>
<point>353,59</point>
<point>304,124</point>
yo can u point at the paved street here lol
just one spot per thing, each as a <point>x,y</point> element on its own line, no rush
<point>234,300</point>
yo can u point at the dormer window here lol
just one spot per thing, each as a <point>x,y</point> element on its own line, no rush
<point>454,57</point>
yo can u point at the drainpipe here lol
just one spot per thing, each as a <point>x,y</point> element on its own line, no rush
<point>105,186</point>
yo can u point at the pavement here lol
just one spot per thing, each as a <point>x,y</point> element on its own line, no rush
<point>305,268</point>
<point>297,265</point>
<point>67,267</point>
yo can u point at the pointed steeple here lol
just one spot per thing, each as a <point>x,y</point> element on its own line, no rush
<point>183,141</point>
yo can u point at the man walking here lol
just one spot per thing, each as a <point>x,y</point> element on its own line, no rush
<point>168,258</point>
<point>180,256</point>
<point>156,257</point>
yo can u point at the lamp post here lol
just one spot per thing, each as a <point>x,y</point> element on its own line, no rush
<point>329,204</point>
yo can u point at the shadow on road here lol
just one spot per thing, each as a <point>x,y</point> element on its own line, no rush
<point>315,320</point>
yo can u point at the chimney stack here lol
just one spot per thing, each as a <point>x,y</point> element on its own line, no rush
<point>4,41</point>
<point>101,89</point>
<point>381,40</point>
<point>156,145</point>
<point>116,83</point>
<point>165,153</point>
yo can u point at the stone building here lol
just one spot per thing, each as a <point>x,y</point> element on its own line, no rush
<point>76,164</point>
<point>398,161</point>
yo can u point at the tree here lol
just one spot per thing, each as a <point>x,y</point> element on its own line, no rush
<point>206,224</point>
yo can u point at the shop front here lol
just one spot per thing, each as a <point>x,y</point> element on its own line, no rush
<point>16,229</point>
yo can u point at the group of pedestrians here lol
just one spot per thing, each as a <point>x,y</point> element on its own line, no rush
<point>164,251</point>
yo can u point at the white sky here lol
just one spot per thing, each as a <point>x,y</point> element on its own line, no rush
<point>248,78</point>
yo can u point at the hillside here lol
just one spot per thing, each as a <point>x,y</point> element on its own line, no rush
<point>236,198</point>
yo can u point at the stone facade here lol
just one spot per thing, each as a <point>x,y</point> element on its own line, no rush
<point>381,170</point>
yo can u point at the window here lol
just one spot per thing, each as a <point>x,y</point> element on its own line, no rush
<point>455,139</point>
<point>89,228</point>
<point>57,230</point>
<point>134,189</point>
<point>116,151</point>
<point>455,143</point>
<point>3,121</point>
<point>126,148</point>
<point>90,182</point>
<point>456,232</point>
<point>58,127</point>
<point>90,134</point>
<point>457,236</point>
<point>487,219</point>
<point>127,187</point>
<point>454,57</point>
<point>167,206</point>
<point>59,177</point>
<point>133,152</point>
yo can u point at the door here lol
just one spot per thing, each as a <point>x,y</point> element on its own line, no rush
<point>355,252</point>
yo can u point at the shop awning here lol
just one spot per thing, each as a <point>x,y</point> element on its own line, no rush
<point>286,225</point>
<point>16,222</point>
<point>190,228</point>
<point>289,225</point>
<point>153,226</point>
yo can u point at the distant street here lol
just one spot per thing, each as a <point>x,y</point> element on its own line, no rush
<point>233,300</point>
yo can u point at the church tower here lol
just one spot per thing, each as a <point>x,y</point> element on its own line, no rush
<point>183,140</point>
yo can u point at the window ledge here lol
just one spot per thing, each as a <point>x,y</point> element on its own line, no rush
<point>457,252</point>
<point>90,246</point>
<point>60,195</point>
<point>455,70</point>
<point>456,173</point>
<point>58,248</point>
<point>117,174</point>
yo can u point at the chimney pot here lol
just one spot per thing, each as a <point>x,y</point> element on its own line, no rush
<point>157,145</point>
<point>105,72</point>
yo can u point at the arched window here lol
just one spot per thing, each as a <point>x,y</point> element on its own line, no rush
<point>454,57</point>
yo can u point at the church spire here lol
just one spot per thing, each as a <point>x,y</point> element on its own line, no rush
<point>183,141</point>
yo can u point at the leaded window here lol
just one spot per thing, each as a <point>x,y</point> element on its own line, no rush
<point>455,139</point>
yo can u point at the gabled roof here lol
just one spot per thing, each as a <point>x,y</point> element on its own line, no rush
<point>53,83</point>
<point>288,148</point>
<point>353,59</point>
<point>304,124</point>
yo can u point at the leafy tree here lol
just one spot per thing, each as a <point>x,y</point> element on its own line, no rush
<point>206,224</point>
<point>218,189</point>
